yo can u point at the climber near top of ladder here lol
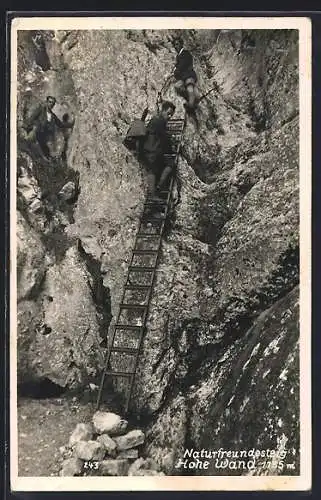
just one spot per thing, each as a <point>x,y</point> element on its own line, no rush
<point>183,73</point>
<point>185,76</point>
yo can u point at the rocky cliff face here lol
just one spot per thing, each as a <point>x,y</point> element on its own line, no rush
<point>219,366</point>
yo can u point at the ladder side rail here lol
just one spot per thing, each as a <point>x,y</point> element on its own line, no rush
<point>106,362</point>
<point>152,283</point>
<point>132,379</point>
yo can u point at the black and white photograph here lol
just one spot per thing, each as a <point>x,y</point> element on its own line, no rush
<point>160,249</point>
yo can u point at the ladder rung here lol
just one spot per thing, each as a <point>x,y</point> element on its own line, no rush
<point>152,217</point>
<point>132,306</point>
<point>120,374</point>
<point>147,218</point>
<point>138,287</point>
<point>148,235</point>
<point>164,200</point>
<point>148,215</point>
<point>145,252</point>
<point>150,200</point>
<point>141,269</point>
<point>129,350</point>
<point>160,202</point>
<point>120,326</point>
<point>157,227</point>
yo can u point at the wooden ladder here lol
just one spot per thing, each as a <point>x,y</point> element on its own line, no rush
<point>125,344</point>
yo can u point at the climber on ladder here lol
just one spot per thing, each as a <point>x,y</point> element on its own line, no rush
<point>156,145</point>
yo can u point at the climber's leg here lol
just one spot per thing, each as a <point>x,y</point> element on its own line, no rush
<point>151,164</point>
<point>164,177</point>
<point>43,143</point>
<point>33,147</point>
<point>151,183</point>
<point>190,88</point>
<point>197,94</point>
<point>152,210</point>
<point>180,88</point>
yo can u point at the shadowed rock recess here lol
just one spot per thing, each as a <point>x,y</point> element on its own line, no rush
<point>219,365</point>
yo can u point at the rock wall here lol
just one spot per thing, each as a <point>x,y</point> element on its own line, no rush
<point>58,321</point>
<point>221,346</point>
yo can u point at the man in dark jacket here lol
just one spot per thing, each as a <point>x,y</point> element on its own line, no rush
<point>40,125</point>
<point>156,145</point>
<point>185,75</point>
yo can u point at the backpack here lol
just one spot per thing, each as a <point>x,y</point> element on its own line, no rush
<point>136,132</point>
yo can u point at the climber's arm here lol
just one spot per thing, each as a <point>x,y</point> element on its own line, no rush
<point>65,123</point>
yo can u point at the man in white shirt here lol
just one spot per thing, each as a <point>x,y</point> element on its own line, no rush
<point>40,125</point>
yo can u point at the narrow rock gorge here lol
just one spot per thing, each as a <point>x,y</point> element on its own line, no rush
<point>219,365</point>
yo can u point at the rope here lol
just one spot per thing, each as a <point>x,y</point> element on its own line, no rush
<point>165,84</point>
<point>208,92</point>
<point>168,78</point>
